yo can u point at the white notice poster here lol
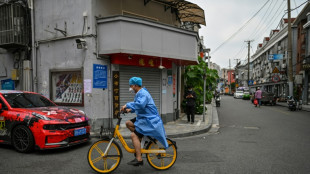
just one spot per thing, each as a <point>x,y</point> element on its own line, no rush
<point>87,86</point>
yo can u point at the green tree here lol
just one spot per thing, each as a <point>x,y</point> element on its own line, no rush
<point>194,76</point>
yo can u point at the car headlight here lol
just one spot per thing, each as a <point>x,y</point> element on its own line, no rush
<point>43,117</point>
<point>82,112</point>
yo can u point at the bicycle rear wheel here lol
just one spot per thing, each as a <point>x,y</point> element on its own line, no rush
<point>100,162</point>
<point>162,161</point>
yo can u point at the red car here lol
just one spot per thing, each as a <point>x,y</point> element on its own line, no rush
<point>29,120</point>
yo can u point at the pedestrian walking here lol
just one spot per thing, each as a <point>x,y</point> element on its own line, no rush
<point>258,96</point>
<point>190,97</point>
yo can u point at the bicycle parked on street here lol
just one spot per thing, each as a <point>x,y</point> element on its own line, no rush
<point>105,155</point>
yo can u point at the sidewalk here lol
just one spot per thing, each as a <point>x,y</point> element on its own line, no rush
<point>304,107</point>
<point>180,127</point>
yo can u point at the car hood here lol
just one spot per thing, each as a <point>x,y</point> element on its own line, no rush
<point>59,113</point>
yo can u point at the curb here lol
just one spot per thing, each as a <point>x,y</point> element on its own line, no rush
<point>303,109</point>
<point>197,132</point>
<point>187,134</point>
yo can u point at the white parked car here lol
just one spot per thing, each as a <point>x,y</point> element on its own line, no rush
<point>238,94</point>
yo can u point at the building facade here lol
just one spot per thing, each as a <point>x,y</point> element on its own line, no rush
<point>86,51</point>
<point>268,72</point>
<point>302,60</point>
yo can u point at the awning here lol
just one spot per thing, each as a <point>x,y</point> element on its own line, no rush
<point>186,11</point>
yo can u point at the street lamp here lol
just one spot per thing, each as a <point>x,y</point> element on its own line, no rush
<point>207,50</point>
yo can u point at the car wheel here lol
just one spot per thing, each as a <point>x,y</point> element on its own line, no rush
<point>22,139</point>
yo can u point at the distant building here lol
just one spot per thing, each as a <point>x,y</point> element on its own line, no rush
<point>268,73</point>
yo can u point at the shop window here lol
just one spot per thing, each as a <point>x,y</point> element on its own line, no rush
<point>67,88</point>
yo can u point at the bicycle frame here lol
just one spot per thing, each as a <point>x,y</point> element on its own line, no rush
<point>127,148</point>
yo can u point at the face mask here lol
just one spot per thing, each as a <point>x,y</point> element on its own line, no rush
<point>131,90</point>
<point>190,90</point>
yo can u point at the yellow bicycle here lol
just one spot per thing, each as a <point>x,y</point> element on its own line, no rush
<point>105,155</point>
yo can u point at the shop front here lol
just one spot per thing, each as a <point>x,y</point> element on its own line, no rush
<point>160,76</point>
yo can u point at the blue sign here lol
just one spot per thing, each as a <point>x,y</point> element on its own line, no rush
<point>169,80</point>
<point>275,57</point>
<point>100,78</point>
<point>7,84</point>
<point>251,82</point>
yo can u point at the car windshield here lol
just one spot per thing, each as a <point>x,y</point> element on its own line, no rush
<point>27,100</point>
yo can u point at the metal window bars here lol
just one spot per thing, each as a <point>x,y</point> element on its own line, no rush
<point>14,29</point>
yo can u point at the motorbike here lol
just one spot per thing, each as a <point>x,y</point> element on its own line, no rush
<point>217,100</point>
<point>294,104</point>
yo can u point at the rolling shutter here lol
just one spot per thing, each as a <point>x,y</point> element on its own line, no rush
<point>150,80</point>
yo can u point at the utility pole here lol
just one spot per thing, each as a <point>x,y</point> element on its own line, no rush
<point>236,71</point>
<point>249,46</point>
<point>229,78</point>
<point>237,61</point>
<point>289,49</point>
<point>204,83</point>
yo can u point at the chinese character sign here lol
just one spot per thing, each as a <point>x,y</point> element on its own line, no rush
<point>116,102</point>
<point>100,78</point>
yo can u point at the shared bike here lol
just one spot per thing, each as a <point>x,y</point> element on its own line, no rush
<point>105,155</point>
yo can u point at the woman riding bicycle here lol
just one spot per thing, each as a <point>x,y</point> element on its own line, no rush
<point>147,122</point>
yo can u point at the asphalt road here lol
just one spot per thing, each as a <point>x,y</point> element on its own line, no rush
<point>269,139</point>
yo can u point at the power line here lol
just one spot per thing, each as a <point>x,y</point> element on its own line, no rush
<point>295,6</point>
<point>292,10</point>
<point>263,18</point>
<point>242,48</point>
<point>240,29</point>
<point>252,49</point>
<point>270,22</point>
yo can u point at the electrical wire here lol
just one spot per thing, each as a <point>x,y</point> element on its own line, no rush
<point>242,48</point>
<point>269,22</point>
<point>296,9</point>
<point>259,26</point>
<point>292,10</point>
<point>286,13</point>
<point>240,29</point>
<point>252,50</point>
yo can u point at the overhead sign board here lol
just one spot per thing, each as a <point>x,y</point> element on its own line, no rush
<point>275,57</point>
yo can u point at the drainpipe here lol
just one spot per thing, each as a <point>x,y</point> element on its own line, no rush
<point>34,52</point>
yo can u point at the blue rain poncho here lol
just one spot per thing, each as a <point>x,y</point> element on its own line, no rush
<point>148,121</point>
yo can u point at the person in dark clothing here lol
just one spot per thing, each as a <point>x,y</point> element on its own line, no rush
<point>190,97</point>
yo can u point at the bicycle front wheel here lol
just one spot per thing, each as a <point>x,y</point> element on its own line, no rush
<point>162,161</point>
<point>104,163</point>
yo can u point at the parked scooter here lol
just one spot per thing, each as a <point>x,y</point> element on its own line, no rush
<point>294,104</point>
<point>218,100</point>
